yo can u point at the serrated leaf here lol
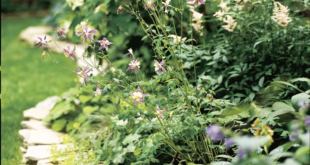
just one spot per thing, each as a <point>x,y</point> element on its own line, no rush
<point>278,106</point>
<point>131,138</point>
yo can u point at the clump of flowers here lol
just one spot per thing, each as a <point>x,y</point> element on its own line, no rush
<point>219,15</point>
<point>60,32</point>
<point>67,52</point>
<point>148,5</point>
<point>197,21</point>
<point>42,42</point>
<point>86,34</point>
<point>280,15</point>
<point>177,39</point>
<point>223,5</point>
<point>138,96</point>
<point>215,133</point>
<point>159,66</point>
<point>231,23</point>
<point>104,43</point>
<point>135,65</point>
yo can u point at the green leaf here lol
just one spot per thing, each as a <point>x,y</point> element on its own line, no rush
<point>302,151</point>
<point>299,97</point>
<point>305,138</point>
<point>85,98</point>
<point>279,106</point>
<point>137,151</point>
<point>303,79</point>
<point>131,138</point>
<point>90,109</point>
<point>261,81</point>
<point>59,124</point>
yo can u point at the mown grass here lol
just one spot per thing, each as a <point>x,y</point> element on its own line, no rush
<point>25,81</point>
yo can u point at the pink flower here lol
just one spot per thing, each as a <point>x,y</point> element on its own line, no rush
<point>41,42</point>
<point>104,43</point>
<point>71,54</point>
<point>86,33</point>
<point>159,111</point>
<point>130,53</point>
<point>134,64</point>
<point>83,73</point>
<point>60,31</point>
<point>197,2</point>
<point>98,92</point>
<point>159,66</point>
<point>148,5</point>
<point>138,96</point>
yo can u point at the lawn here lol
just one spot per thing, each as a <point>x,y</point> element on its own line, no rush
<point>25,80</point>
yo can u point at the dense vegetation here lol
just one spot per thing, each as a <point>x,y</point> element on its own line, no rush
<point>206,82</point>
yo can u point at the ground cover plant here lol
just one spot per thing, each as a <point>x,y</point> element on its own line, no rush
<point>25,81</point>
<point>215,96</point>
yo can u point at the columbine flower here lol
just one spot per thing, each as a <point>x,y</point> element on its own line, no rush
<point>228,142</point>
<point>223,5</point>
<point>148,5</point>
<point>60,32</point>
<point>307,121</point>
<point>98,91</point>
<point>86,33</point>
<point>67,52</point>
<point>134,64</point>
<point>130,53</point>
<point>166,4</point>
<point>219,15</point>
<point>159,111</point>
<point>159,66</point>
<point>138,96</point>
<point>177,39</point>
<point>42,42</point>
<point>104,43</point>
<point>119,9</point>
<point>83,73</point>
<point>281,15</point>
<point>197,2</point>
<point>215,132</point>
<point>231,23</point>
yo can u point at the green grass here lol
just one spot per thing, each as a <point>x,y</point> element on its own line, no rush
<point>25,81</point>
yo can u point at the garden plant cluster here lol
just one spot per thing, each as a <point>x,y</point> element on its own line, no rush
<point>187,82</point>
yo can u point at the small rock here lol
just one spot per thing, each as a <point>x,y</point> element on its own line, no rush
<point>44,137</point>
<point>24,160</point>
<point>22,149</point>
<point>34,124</point>
<point>48,103</point>
<point>24,134</point>
<point>36,113</point>
<point>44,162</point>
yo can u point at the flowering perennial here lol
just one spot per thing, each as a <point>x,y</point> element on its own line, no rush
<point>104,43</point>
<point>215,133</point>
<point>98,91</point>
<point>280,15</point>
<point>134,64</point>
<point>60,32</point>
<point>159,66</point>
<point>42,42</point>
<point>231,23</point>
<point>166,4</point>
<point>130,53</point>
<point>148,5</point>
<point>197,21</point>
<point>67,52</point>
<point>138,96</point>
<point>86,33</point>
<point>159,111</point>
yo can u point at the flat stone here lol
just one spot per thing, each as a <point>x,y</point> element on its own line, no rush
<point>44,137</point>
<point>36,113</point>
<point>34,124</point>
<point>24,159</point>
<point>44,162</point>
<point>24,134</point>
<point>40,152</point>
<point>48,103</point>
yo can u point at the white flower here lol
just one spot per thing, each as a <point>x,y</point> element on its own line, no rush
<point>281,15</point>
<point>177,39</point>
<point>231,23</point>
<point>75,3</point>
<point>223,5</point>
<point>219,15</point>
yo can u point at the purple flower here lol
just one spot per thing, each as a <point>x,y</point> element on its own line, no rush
<point>130,53</point>
<point>159,66</point>
<point>67,52</point>
<point>196,2</point>
<point>104,43</point>
<point>42,42</point>
<point>83,73</point>
<point>307,121</point>
<point>148,5</point>
<point>294,135</point>
<point>98,92</point>
<point>228,143</point>
<point>138,96</point>
<point>119,9</point>
<point>159,111</point>
<point>241,153</point>
<point>86,33</point>
<point>302,104</point>
<point>60,32</point>
<point>134,64</point>
<point>215,132</point>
